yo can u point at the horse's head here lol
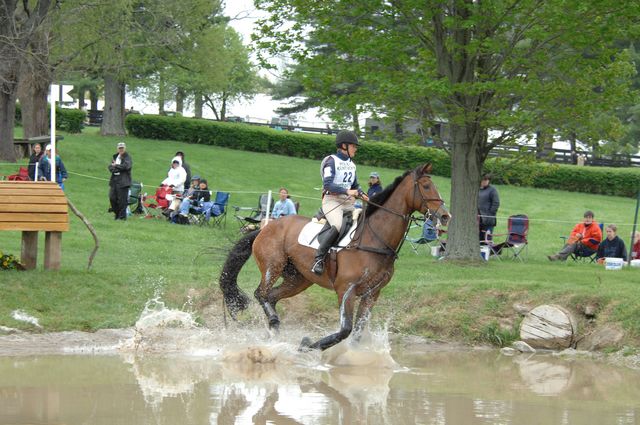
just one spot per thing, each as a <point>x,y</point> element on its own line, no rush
<point>426,197</point>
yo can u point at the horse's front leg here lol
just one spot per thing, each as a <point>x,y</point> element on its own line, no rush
<point>346,324</point>
<point>364,313</point>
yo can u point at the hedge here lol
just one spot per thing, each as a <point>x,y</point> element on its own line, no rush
<point>69,120</point>
<point>519,172</point>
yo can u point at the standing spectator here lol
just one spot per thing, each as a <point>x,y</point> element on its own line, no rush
<point>584,239</point>
<point>635,250</point>
<point>184,164</point>
<point>612,246</point>
<point>375,186</point>
<point>488,204</point>
<point>44,168</point>
<point>284,206</point>
<point>35,157</point>
<point>120,181</point>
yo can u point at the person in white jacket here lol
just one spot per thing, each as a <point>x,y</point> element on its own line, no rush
<point>176,176</point>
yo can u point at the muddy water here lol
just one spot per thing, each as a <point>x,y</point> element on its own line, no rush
<point>169,371</point>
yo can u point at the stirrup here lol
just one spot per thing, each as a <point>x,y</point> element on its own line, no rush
<point>318,267</point>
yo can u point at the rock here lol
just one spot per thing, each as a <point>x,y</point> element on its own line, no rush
<point>7,331</point>
<point>609,335</point>
<point>548,326</point>
<point>590,310</point>
<point>523,347</point>
<point>508,351</point>
<point>521,309</point>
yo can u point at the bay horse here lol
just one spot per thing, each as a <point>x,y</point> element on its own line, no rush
<point>364,267</point>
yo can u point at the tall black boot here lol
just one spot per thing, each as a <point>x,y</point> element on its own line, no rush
<point>326,240</point>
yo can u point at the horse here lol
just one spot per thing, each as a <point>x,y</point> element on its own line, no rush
<point>364,266</point>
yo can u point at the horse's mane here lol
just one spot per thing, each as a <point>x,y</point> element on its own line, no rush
<point>381,197</point>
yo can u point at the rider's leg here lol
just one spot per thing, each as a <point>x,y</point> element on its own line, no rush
<point>332,207</point>
<point>326,239</point>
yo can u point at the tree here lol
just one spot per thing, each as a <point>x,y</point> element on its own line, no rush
<point>19,24</point>
<point>515,66</point>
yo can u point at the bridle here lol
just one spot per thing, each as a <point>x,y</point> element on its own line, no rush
<point>406,218</point>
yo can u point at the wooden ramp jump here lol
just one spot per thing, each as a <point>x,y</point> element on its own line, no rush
<point>31,207</point>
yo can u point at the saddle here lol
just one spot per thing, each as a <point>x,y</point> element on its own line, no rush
<point>311,231</point>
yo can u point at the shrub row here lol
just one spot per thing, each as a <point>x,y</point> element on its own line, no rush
<point>523,172</point>
<point>69,120</point>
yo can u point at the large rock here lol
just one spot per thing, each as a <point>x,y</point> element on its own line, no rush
<point>548,326</point>
<point>608,336</point>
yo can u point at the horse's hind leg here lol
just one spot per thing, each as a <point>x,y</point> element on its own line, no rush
<point>346,324</point>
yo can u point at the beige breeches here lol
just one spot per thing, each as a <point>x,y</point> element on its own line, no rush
<point>334,206</point>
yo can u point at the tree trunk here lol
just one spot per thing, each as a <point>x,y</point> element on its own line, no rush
<point>223,107</point>
<point>81,99</point>
<point>180,100</point>
<point>161,96</point>
<point>93,95</point>
<point>7,121</point>
<point>113,115</point>
<point>356,122</point>
<point>33,91</point>
<point>466,167</point>
<point>198,102</point>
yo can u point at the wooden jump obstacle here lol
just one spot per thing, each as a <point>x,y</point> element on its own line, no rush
<point>32,207</point>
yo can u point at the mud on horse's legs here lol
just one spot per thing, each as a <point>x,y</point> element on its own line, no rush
<point>346,324</point>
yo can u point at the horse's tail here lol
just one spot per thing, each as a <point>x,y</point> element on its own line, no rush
<point>234,298</point>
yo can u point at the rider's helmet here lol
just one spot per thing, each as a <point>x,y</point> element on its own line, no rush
<point>347,137</point>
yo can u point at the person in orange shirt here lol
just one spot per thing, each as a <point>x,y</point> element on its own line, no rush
<point>584,239</point>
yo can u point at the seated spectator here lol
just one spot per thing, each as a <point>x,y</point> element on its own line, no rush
<point>179,199</point>
<point>375,186</point>
<point>284,206</point>
<point>199,201</point>
<point>34,159</point>
<point>44,168</point>
<point>176,177</point>
<point>584,239</point>
<point>635,251</point>
<point>612,246</point>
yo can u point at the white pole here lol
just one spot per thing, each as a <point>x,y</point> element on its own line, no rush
<point>54,96</point>
<point>268,207</point>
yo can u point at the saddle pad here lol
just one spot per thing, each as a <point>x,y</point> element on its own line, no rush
<point>308,235</point>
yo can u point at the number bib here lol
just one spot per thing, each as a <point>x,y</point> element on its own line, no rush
<point>345,172</point>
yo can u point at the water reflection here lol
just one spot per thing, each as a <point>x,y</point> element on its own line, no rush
<point>434,388</point>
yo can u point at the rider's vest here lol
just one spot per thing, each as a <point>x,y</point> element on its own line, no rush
<point>344,174</point>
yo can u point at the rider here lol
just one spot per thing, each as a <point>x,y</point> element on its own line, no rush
<point>340,188</point>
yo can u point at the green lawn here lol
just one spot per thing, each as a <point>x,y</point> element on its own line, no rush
<point>143,258</point>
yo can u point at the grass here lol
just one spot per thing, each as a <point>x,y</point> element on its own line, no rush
<point>140,259</point>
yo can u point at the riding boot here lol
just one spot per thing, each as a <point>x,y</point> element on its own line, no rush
<point>326,240</point>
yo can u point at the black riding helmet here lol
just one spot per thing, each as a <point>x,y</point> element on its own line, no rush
<point>347,137</point>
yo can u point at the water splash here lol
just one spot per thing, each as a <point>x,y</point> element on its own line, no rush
<point>23,316</point>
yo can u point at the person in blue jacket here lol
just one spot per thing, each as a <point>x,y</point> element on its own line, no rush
<point>44,168</point>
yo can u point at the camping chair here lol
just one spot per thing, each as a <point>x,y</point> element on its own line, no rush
<point>134,201</point>
<point>429,236</point>
<point>256,214</point>
<point>158,202</point>
<point>217,211</point>
<point>21,176</point>
<point>584,254</point>
<point>515,243</point>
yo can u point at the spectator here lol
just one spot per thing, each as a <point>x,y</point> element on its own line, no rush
<point>120,181</point>
<point>488,204</point>
<point>35,157</point>
<point>612,246</point>
<point>284,206</point>
<point>44,168</point>
<point>184,164</point>
<point>584,239</point>
<point>375,186</point>
<point>176,176</point>
<point>178,200</point>
<point>199,201</point>
<point>635,250</point>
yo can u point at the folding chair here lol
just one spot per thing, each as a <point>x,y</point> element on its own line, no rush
<point>158,202</point>
<point>21,176</point>
<point>583,253</point>
<point>219,209</point>
<point>429,236</point>
<point>515,242</point>
<point>256,214</point>
<point>134,201</point>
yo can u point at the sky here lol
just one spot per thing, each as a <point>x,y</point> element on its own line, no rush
<point>261,108</point>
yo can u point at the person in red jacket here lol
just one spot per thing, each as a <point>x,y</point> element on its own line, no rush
<point>584,239</point>
<point>635,251</point>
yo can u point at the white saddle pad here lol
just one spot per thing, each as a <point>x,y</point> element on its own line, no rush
<point>308,234</point>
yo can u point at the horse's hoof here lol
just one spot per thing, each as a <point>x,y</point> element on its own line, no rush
<point>274,325</point>
<point>305,345</point>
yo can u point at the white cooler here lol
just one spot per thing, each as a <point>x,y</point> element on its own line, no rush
<point>613,263</point>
